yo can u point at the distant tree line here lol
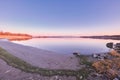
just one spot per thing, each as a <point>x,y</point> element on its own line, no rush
<point>13,34</point>
<point>114,37</point>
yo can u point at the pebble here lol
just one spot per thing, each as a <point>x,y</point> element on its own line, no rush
<point>81,77</point>
<point>56,77</point>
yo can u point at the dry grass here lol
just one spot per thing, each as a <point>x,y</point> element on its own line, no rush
<point>114,53</point>
<point>109,66</point>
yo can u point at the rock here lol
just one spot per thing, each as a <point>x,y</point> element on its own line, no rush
<point>100,58</point>
<point>118,76</point>
<point>81,77</point>
<point>94,75</point>
<point>56,77</point>
<point>98,75</point>
<point>105,57</point>
<point>109,45</point>
<point>75,53</point>
<point>7,71</point>
<point>95,55</point>
<point>115,79</point>
<point>117,45</point>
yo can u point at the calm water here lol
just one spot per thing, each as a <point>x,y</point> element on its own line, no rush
<point>69,45</point>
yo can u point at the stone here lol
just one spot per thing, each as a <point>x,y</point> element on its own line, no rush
<point>109,45</point>
<point>75,53</point>
<point>98,74</point>
<point>81,77</point>
<point>95,55</point>
<point>115,79</point>
<point>56,77</point>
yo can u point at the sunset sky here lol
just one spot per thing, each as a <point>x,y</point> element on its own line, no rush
<point>60,17</point>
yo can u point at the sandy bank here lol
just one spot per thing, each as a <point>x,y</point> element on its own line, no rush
<point>40,58</point>
<point>6,70</point>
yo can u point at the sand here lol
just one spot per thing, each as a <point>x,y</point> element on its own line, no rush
<point>40,58</point>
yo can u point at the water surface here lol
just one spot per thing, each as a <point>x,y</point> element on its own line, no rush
<point>69,45</point>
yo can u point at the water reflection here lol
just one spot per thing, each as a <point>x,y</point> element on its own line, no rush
<point>69,45</point>
<point>19,39</point>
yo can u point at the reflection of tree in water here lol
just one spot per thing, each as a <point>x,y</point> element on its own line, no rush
<point>19,39</point>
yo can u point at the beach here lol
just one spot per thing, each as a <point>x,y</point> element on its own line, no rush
<point>40,58</point>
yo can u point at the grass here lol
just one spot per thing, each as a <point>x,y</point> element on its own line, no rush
<point>83,60</point>
<point>85,71</point>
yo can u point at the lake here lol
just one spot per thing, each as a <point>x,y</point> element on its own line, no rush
<point>84,46</point>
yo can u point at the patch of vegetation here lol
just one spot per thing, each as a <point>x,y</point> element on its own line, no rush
<point>109,67</point>
<point>83,73</point>
<point>83,60</point>
<point>86,70</point>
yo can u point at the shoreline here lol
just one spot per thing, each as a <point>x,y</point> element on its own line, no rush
<point>62,71</point>
<point>48,64</point>
<point>40,58</point>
